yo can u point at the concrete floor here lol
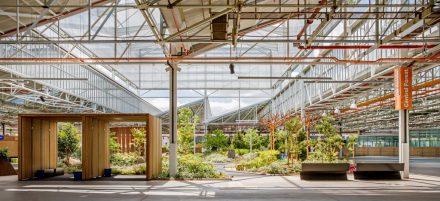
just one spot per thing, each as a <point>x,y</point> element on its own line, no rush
<point>243,187</point>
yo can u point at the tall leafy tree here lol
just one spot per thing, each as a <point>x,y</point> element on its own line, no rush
<point>294,126</point>
<point>215,140</point>
<point>68,140</point>
<point>327,148</point>
<point>187,122</point>
<point>251,135</point>
<point>139,139</point>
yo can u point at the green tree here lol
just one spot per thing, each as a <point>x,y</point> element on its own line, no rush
<point>281,143</point>
<point>294,127</point>
<point>113,144</point>
<point>187,122</point>
<point>215,140</point>
<point>68,141</point>
<point>251,135</point>
<point>326,149</point>
<point>351,143</point>
<point>238,142</point>
<point>139,139</point>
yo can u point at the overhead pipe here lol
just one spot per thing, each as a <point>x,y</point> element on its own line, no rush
<point>334,59</point>
<point>350,47</point>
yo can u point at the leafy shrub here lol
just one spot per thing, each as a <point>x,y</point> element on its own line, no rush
<point>190,166</point>
<point>241,151</point>
<point>215,140</point>
<point>276,167</point>
<point>138,169</point>
<point>71,168</point>
<point>250,156</point>
<point>217,158</point>
<point>125,159</point>
<point>238,141</point>
<point>14,160</point>
<point>264,158</point>
<point>4,153</point>
<point>251,135</point>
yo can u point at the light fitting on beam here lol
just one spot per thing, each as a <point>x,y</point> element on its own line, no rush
<point>42,99</point>
<point>283,78</point>
<point>231,68</point>
<point>324,114</point>
<point>337,111</point>
<point>353,105</point>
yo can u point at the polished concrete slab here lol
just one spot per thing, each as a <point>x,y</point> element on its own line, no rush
<point>253,187</point>
<point>424,184</point>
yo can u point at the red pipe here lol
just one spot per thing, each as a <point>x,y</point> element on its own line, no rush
<point>346,47</point>
<point>310,20</point>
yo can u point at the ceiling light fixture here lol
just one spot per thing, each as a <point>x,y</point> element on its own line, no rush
<point>353,105</point>
<point>337,111</point>
<point>231,68</point>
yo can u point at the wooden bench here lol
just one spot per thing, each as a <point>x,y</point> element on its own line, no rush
<point>324,171</point>
<point>378,171</point>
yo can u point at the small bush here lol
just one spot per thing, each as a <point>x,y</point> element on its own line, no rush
<point>241,151</point>
<point>72,168</point>
<point>250,156</point>
<point>125,159</point>
<point>4,153</point>
<point>14,160</point>
<point>276,167</point>
<point>217,158</point>
<point>257,160</point>
<point>138,169</point>
<point>191,167</point>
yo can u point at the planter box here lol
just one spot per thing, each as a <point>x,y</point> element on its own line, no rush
<point>324,171</point>
<point>6,168</point>
<point>388,171</point>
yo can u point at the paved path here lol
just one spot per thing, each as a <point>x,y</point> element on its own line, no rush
<point>243,188</point>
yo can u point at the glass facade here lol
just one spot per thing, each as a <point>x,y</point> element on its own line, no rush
<point>418,138</point>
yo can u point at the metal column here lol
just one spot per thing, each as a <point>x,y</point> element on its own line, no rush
<point>404,141</point>
<point>172,70</point>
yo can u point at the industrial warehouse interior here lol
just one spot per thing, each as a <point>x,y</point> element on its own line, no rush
<point>219,100</point>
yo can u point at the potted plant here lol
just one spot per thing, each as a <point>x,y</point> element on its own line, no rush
<point>324,162</point>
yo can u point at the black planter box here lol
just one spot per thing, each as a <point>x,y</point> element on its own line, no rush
<point>378,171</point>
<point>324,171</point>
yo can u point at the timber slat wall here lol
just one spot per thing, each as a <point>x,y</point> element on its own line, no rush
<point>37,146</point>
<point>38,138</point>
